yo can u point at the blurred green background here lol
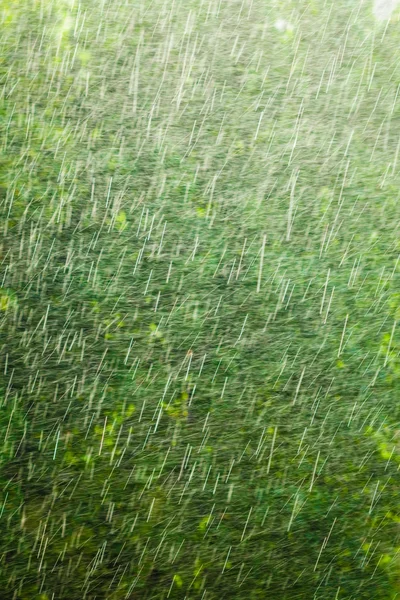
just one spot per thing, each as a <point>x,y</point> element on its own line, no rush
<point>198,300</point>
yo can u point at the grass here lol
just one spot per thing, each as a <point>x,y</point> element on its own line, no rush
<point>199,297</point>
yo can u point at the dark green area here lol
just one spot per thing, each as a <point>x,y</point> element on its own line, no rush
<point>199,294</point>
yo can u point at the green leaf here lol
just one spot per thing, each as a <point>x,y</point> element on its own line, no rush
<point>178,580</point>
<point>120,221</point>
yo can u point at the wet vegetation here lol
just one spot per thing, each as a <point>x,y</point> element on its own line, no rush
<point>199,290</point>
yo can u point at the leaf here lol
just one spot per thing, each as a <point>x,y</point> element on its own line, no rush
<point>7,300</point>
<point>178,580</point>
<point>120,221</point>
<point>131,409</point>
<point>204,522</point>
<point>4,302</point>
<point>84,57</point>
<point>70,459</point>
<point>384,450</point>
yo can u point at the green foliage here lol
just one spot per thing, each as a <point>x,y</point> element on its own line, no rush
<point>199,300</point>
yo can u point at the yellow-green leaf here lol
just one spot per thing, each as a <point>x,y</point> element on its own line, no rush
<point>120,221</point>
<point>204,522</point>
<point>178,580</point>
